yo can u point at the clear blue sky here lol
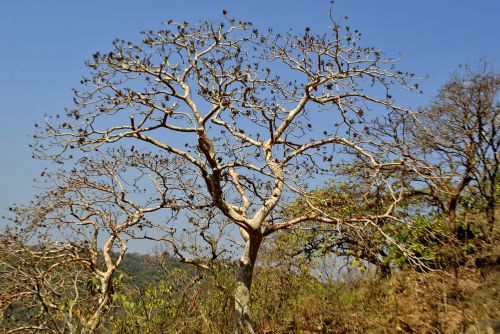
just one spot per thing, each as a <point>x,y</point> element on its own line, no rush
<point>44,44</point>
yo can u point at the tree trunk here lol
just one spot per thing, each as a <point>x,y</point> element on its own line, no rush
<point>95,319</point>
<point>244,275</point>
<point>490,216</point>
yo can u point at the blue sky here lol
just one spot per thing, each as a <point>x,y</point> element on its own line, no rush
<point>44,45</point>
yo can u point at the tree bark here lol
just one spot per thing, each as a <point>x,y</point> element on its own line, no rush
<point>244,275</point>
<point>95,319</point>
<point>490,216</point>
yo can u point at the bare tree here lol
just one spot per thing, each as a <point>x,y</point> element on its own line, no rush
<point>63,251</point>
<point>254,117</point>
<point>452,146</point>
<point>42,287</point>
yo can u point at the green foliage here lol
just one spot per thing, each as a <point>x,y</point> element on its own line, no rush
<point>178,299</point>
<point>341,200</point>
<point>424,238</point>
<point>141,309</point>
<point>93,285</point>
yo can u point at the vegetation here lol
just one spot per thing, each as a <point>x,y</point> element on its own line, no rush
<point>210,140</point>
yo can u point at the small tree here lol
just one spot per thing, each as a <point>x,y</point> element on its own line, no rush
<point>95,209</point>
<point>254,117</point>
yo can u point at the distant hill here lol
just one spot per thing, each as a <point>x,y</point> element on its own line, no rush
<point>141,269</point>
